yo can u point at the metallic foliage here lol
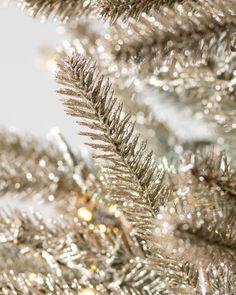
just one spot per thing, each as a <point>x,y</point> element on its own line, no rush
<point>137,223</point>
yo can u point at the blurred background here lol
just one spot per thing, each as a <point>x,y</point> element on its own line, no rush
<point>28,100</point>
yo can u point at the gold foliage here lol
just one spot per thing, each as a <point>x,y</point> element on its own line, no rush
<point>184,34</point>
<point>138,226</point>
<point>112,10</point>
<point>62,10</point>
<point>131,172</point>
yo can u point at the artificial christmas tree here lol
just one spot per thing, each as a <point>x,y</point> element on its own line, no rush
<point>158,214</point>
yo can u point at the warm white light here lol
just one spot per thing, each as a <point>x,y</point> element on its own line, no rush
<point>84,214</point>
<point>113,209</point>
<point>88,291</point>
<point>102,228</point>
<point>32,277</point>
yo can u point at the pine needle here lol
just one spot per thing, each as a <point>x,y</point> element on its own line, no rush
<point>131,172</point>
<point>47,172</point>
<point>61,10</point>
<point>187,33</point>
<point>71,248</point>
<point>114,9</point>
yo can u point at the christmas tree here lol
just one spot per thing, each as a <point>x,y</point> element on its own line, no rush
<point>150,212</point>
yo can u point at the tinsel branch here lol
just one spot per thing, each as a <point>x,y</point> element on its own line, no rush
<point>215,171</point>
<point>47,172</point>
<point>215,231</point>
<point>86,39</point>
<point>212,77</point>
<point>61,10</point>
<point>11,283</point>
<point>79,246</point>
<point>205,195</point>
<point>69,249</point>
<point>187,32</point>
<point>222,281</point>
<point>208,88</point>
<point>112,10</point>
<point>31,283</point>
<point>162,139</point>
<point>131,171</point>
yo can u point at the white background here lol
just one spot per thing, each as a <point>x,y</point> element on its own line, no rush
<point>27,90</point>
